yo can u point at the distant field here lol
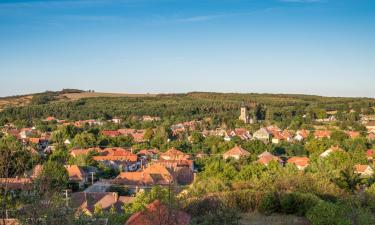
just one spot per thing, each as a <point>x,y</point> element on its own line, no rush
<point>14,101</point>
<point>25,99</point>
<point>277,219</point>
<point>76,96</point>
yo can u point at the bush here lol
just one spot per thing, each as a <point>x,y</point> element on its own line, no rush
<point>269,204</point>
<point>325,213</point>
<point>297,203</point>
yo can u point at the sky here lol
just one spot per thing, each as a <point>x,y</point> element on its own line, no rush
<point>323,47</point>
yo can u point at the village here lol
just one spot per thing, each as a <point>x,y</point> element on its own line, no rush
<point>106,177</point>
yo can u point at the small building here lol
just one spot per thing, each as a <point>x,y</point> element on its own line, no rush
<point>87,202</point>
<point>301,135</point>
<point>319,134</point>
<point>370,154</point>
<point>363,170</point>
<point>77,175</point>
<point>160,214</point>
<point>329,151</point>
<point>174,154</point>
<point>237,152</point>
<point>353,134</point>
<point>300,162</point>
<point>265,158</point>
<point>262,134</point>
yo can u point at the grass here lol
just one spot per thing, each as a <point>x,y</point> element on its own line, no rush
<point>76,96</point>
<point>256,218</point>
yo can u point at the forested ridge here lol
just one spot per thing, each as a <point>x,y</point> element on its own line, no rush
<point>180,107</point>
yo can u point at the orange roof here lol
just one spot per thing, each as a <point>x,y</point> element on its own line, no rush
<point>34,140</point>
<point>370,153</point>
<point>174,154</point>
<point>161,214</point>
<point>16,183</point>
<point>111,133</point>
<point>353,134</point>
<point>152,175</point>
<point>116,154</point>
<point>75,173</point>
<point>322,133</point>
<point>77,152</point>
<point>86,201</point>
<point>149,152</point>
<point>299,161</point>
<point>361,168</point>
<point>267,159</point>
<point>236,151</point>
<point>304,133</point>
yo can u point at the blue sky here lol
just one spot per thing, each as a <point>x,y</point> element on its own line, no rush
<point>324,47</point>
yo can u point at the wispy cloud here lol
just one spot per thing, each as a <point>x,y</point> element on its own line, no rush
<point>301,1</point>
<point>49,3</point>
<point>202,18</point>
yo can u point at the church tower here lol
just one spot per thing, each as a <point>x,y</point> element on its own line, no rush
<point>244,114</point>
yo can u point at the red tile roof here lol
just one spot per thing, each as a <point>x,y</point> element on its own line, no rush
<point>174,154</point>
<point>111,133</point>
<point>153,175</point>
<point>75,173</point>
<point>299,161</point>
<point>353,134</point>
<point>370,153</point>
<point>160,214</point>
<point>16,183</point>
<point>236,151</point>
<point>322,134</point>
<point>116,154</point>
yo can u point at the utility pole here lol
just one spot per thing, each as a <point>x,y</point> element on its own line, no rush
<point>66,198</point>
<point>92,178</point>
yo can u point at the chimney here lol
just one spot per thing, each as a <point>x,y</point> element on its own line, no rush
<point>115,195</point>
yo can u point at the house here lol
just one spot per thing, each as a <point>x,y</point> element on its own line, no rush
<point>14,184</point>
<point>332,149</point>
<point>353,134</point>
<point>111,133</point>
<point>319,134</point>
<point>77,175</point>
<point>277,137</point>
<point>237,152</point>
<point>262,134</point>
<point>363,170</point>
<point>150,118</point>
<point>160,214</point>
<point>149,153</point>
<point>300,162</point>
<point>27,132</point>
<point>77,152</point>
<point>241,133</point>
<point>371,136</point>
<point>116,120</point>
<point>118,158</point>
<point>265,158</point>
<point>370,125</point>
<point>301,135</point>
<point>182,170</point>
<point>50,119</point>
<point>155,174</point>
<point>370,154</point>
<point>87,202</point>
<point>9,222</point>
<point>331,118</point>
<point>41,143</point>
<point>174,154</point>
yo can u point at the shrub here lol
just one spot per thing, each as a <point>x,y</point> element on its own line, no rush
<point>325,213</point>
<point>269,204</point>
<point>297,203</point>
